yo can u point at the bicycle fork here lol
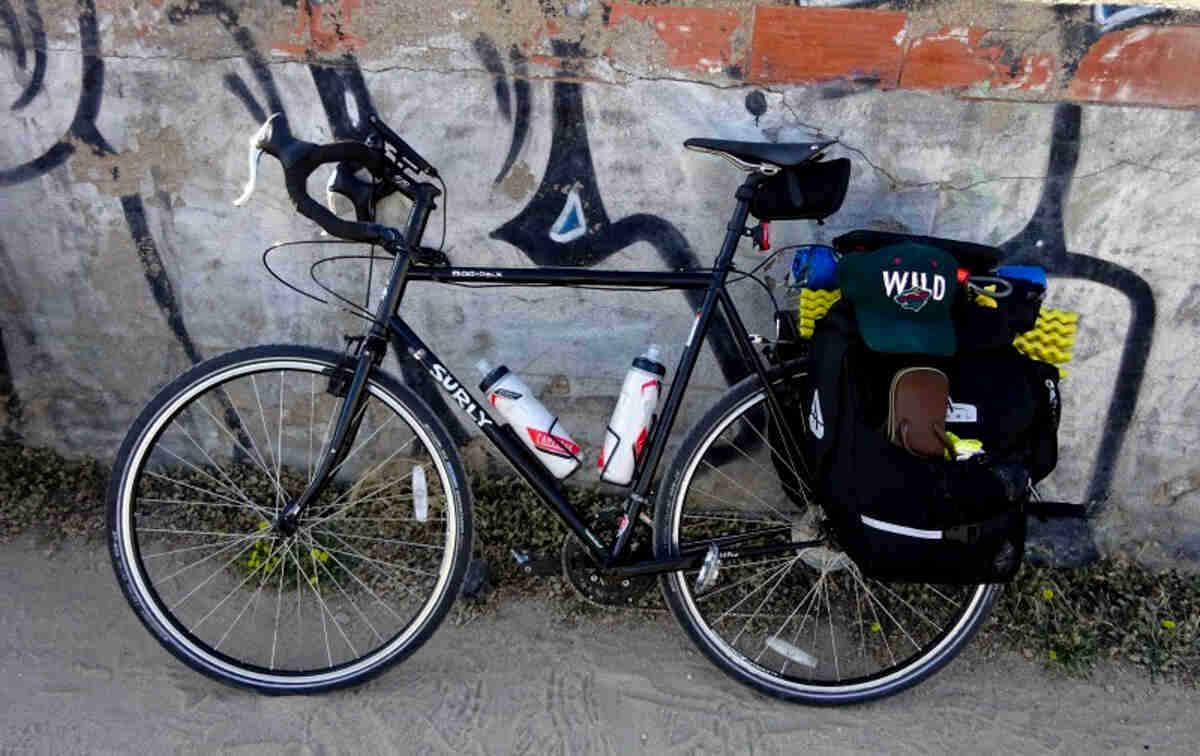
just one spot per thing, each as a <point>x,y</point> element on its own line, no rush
<point>349,419</point>
<point>370,353</point>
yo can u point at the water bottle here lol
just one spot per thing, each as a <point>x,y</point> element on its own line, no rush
<point>625,437</point>
<point>534,425</point>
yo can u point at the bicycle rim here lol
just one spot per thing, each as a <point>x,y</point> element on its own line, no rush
<point>371,569</point>
<point>804,625</point>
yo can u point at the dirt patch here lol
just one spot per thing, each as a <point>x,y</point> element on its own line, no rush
<point>522,680</point>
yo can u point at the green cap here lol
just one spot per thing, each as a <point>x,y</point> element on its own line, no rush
<point>902,297</point>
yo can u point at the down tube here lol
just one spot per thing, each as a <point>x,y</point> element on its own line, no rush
<point>548,489</point>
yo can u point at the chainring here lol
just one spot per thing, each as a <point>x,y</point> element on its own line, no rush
<point>593,583</point>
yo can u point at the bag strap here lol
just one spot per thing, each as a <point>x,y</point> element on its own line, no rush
<point>973,531</point>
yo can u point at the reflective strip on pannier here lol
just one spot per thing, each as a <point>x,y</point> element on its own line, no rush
<point>891,527</point>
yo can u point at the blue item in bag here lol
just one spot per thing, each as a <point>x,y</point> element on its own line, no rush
<point>815,267</point>
<point>1034,274</point>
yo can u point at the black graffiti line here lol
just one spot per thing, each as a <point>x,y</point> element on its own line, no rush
<point>1135,354</point>
<point>524,108</point>
<point>569,167</point>
<point>237,86</point>
<point>156,272</point>
<point>490,57</point>
<point>1045,230</point>
<point>16,39</point>
<point>83,125</point>
<point>333,84</point>
<point>1043,242</point>
<point>228,18</point>
<point>37,30</point>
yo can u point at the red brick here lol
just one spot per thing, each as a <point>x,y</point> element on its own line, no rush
<point>956,58</point>
<point>1144,65</point>
<point>320,38</point>
<point>699,39</point>
<point>806,45</point>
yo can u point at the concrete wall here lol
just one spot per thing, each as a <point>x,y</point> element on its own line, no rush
<point>1063,135</point>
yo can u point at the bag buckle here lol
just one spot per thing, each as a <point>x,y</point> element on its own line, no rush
<point>964,533</point>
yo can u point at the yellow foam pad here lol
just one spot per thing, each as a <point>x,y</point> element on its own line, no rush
<point>1050,341</point>
<point>814,303</point>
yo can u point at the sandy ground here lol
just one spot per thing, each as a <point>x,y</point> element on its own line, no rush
<point>81,675</point>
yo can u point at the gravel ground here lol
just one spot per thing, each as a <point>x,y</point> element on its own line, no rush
<point>81,675</point>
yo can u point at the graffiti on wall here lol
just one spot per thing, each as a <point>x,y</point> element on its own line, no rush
<point>573,228</point>
<point>83,125</point>
<point>557,227</point>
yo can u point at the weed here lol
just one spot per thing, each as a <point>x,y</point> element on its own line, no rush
<point>1071,619</point>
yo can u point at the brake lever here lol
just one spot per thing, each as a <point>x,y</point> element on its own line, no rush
<point>253,158</point>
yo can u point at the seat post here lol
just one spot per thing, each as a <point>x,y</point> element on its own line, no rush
<point>737,222</point>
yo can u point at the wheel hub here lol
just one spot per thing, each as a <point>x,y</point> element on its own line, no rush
<point>823,558</point>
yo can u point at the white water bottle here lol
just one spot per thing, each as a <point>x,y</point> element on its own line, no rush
<point>625,437</point>
<point>535,426</point>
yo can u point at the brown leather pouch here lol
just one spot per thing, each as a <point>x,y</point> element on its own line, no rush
<point>917,404</point>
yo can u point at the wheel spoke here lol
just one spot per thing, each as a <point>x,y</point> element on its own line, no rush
<point>835,636</point>
<point>234,490</point>
<point>225,447</point>
<point>208,579</point>
<point>366,587</point>
<point>375,540</point>
<point>255,457</point>
<point>749,493</point>
<point>351,601</point>
<point>804,494</point>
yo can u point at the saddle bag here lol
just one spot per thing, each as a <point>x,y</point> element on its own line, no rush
<point>810,191</point>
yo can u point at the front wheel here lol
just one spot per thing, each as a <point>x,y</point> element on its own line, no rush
<point>802,625</point>
<point>373,566</point>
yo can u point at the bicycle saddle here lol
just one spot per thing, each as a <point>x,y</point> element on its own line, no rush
<point>782,154</point>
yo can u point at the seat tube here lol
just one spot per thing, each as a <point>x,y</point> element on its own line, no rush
<point>687,363</point>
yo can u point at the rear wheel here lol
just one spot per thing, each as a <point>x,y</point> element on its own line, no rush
<point>368,575</point>
<point>803,625</point>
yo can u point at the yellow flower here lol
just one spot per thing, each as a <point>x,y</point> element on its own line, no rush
<point>1047,593</point>
<point>875,627</point>
<point>1169,624</point>
<point>1053,655</point>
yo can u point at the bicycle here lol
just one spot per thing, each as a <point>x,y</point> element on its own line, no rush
<point>293,519</point>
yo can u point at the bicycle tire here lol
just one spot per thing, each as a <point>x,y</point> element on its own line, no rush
<point>210,460</point>
<point>719,485</point>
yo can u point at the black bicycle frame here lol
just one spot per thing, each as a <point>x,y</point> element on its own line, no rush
<point>549,489</point>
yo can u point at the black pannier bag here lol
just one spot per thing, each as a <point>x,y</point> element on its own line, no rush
<point>810,191</point>
<point>900,517</point>
<point>1001,397</point>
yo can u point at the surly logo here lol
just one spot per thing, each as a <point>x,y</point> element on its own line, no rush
<point>460,395</point>
<point>912,290</point>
